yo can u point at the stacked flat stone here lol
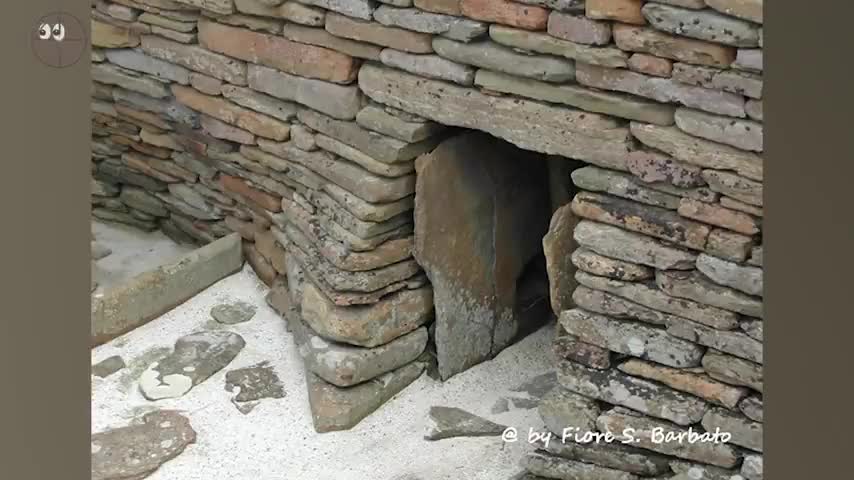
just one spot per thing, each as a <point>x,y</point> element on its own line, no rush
<point>296,124</point>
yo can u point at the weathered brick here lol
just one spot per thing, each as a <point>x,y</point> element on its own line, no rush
<point>579,29</point>
<point>660,44</point>
<point>240,187</point>
<point>373,32</point>
<point>296,58</point>
<point>651,65</point>
<point>228,112</point>
<point>506,12</point>
<point>625,11</point>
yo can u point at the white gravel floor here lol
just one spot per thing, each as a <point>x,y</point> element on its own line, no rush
<point>276,441</point>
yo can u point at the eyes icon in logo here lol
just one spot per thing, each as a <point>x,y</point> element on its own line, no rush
<point>57,32</point>
<point>58,40</point>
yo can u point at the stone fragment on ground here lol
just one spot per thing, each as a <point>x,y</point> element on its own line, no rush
<point>232,313</point>
<point>108,366</point>
<point>99,250</point>
<point>449,422</point>
<point>135,451</point>
<point>195,358</point>
<point>252,384</point>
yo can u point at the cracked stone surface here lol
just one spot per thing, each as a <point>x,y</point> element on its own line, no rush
<point>195,358</point>
<point>252,384</point>
<point>135,451</point>
<point>234,312</point>
<point>448,422</point>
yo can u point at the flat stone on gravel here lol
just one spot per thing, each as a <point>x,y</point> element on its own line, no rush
<point>195,358</point>
<point>108,366</point>
<point>448,422</point>
<point>253,383</point>
<point>233,312</point>
<point>135,451</point>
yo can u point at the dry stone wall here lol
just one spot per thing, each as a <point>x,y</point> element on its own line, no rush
<point>297,124</point>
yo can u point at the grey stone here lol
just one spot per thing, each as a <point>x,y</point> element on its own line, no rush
<point>232,313</point>
<point>618,419</point>
<point>729,245</point>
<point>543,43</point>
<point>630,338</point>
<point>742,134</point>
<point>560,5</point>
<point>693,286</point>
<point>742,83</point>
<point>224,7</point>
<point>663,173</point>
<point>737,187</point>
<point>595,138</point>
<point>697,471</point>
<point>559,267</point>
<point>196,58</point>
<point>697,151</point>
<point>252,384</point>
<point>756,256</point>
<point>252,22</point>
<point>732,342</point>
<point>492,56</point>
<point>175,204</point>
<point>614,242</point>
<point>339,101</point>
<point>370,325</point>
<point>285,111</point>
<point>745,432</point>
<point>392,170</point>
<point>137,450</point>
<point>489,240</point>
<point>366,211</point>
<point>549,466</point>
<point>742,278</point>
<point>609,455</point>
<point>303,137</point>
<point>733,370</point>
<point>622,185</point>
<point>751,407</point>
<point>740,206</point>
<point>168,108</point>
<point>749,59</point>
<point>618,105</point>
<point>322,38</point>
<point>693,4</point>
<point>567,347</point>
<point>113,75</point>
<point>334,408</point>
<point>702,24</point>
<point>754,109</point>
<point>457,28</point>
<point>632,38</point>
<point>108,366</point>
<point>136,60</point>
<point>658,300</point>
<point>562,410</point>
<point>189,195</point>
<point>596,264</point>
<point>124,218</point>
<point>195,358</point>
<point>99,250</point>
<point>354,8</point>
<point>607,304</point>
<point>168,23</point>
<point>432,66</point>
<point>665,90</point>
<point>328,210</point>
<point>303,14</point>
<point>753,328</point>
<point>752,467</point>
<point>375,118</point>
<point>449,422</point>
<point>537,387</point>
<point>686,380</point>
<point>618,388</point>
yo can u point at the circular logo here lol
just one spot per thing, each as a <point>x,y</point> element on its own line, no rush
<point>58,39</point>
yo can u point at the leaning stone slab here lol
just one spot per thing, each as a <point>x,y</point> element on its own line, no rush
<point>619,419</point>
<point>665,90</point>
<point>597,139</point>
<point>196,358</point>
<point>733,370</point>
<point>687,381</point>
<point>338,101</point>
<point>544,43</point>
<point>752,408</point>
<point>334,408</point>
<point>596,264</point>
<point>609,455</point>
<point>627,246</point>
<point>196,58</point>
<point>648,220</point>
<point>696,287</point>
<point>369,325</point>
<point>641,395</point>
<point>707,25</point>
<point>697,151</point>
<point>560,268</point>
<point>137,450</point>
<point>562,409</point>
<point>618,105</point>
<point>659,300</point>
<point>550,466</point>
<point>622,185</point>
<point>492,56</point>
<point>449,422</point>
<point>122,308</point>
<point>743,278</point>
<point>631,338</point>
<point>745,433</point>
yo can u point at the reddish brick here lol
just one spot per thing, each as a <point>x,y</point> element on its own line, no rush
<point>240,187</point>
<point>651,65</point>
<point>308,61</point>
<point>233,114</point>
<point>506,12</point>
<point>626,11</point>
